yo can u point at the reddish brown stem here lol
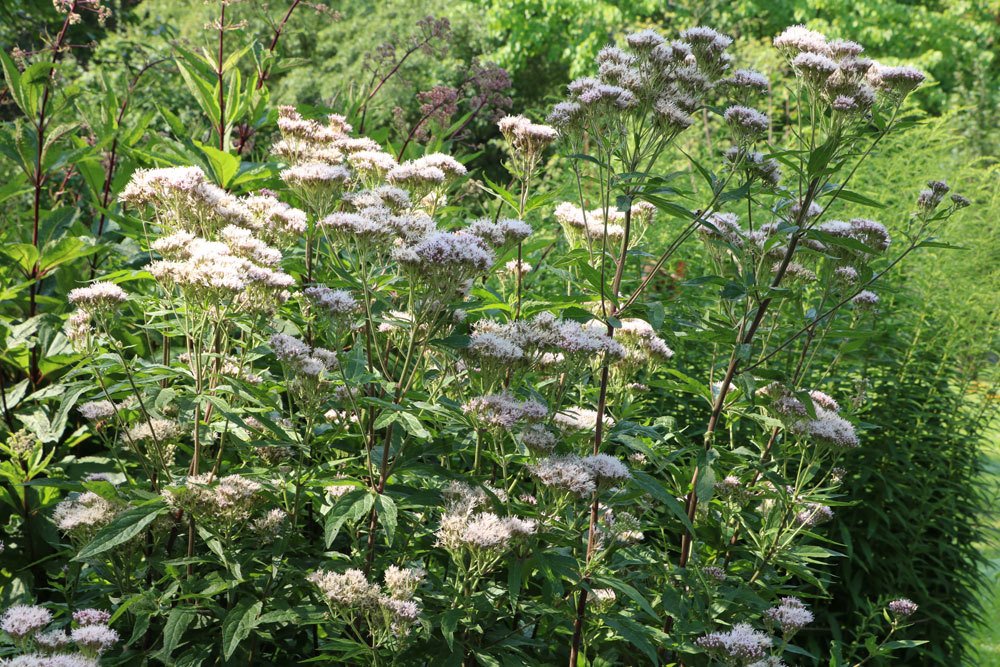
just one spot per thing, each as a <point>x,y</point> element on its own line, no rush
<point>38,181</point>
<point>222,87</point>
<point>263,74</point>
<point>602,404</point>
<point>745,338</point>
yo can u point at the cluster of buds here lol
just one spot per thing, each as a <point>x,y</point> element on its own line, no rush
<point>526,142</point>
<point>835,72</point>
<point>652,80</point>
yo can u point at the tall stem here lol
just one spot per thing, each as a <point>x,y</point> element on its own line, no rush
<point>602,402</point>
<point>745,338</point>
<point>220,73</point>
<point>41,123</point>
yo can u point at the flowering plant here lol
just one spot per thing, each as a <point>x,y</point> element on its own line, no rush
<point>347,418</point>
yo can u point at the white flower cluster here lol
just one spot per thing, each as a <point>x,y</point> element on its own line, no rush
<point>91,637</point>
<point>527,140</point>
<point>441,260</point>
<point>543,340</point>
<point>239,269</point>
<point>304,360</point>
<point>504,410</point>
<point>583,228</point>
<point>537,438</point>
<point>741,642</point>
<point>308,141</point>
<point>392,609</point>
<point>668,78</point>
<point>97,296</point>
<point>154,429</point>
<point>790,616</point>
<point>579,419</point>
<point>872,234</point>
<point>98,299</point>
<point>426,174</point>
<point>483,534</point>
<point>813,514</point>
<point>227,500</point>
<point>273,221</point>
<point>642,345</point>
<point>183,199</point>
<point>96,410</point>
<point>580,476</point>
<point>331,302</point>
<point>827,427</point>
<point>501,234</point>
<point>837,72</point>
<point>82,515</point>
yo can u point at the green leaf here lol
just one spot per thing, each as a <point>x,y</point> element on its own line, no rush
<point>903,643</point>
<point>178,621</point>
<point>12,77</point>
<point>224,165</point>
<point>24,255</point>
<point>820,158</point>
<point>634,634</point>
<point>413,425</point>
<point>64,250</point>
<point>630,591</point>
<point>203,92</point>
<point>857,198</point>
<point>239,623</point>
<point>125,526</point>
<point>705,486</point>
<point>388,515</point>
<point>654,488</point>
<point>449,621</point>
<point>351,506</point>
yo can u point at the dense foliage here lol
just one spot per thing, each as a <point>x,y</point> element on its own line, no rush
<point>307,356</point>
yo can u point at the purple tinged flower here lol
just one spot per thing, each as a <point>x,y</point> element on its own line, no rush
<point>903,607</point>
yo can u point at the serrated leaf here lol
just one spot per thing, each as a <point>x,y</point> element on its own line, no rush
<point>351,506</point>
<point>239,623</point>
<point>178,621</point>
<point>124,527</point>
<point>388,515</point>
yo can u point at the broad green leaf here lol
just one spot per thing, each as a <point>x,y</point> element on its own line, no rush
<point>449,621</point>
<point>388,515</point>
<point>413,425</point>
<point>351,506</point>
<point>178,621</point>
<point>24,255</point>
<point>239,623</point>
<point>653,487</point>
<point>635,634</point>
<point>224,165</point>
<point>857,198</point>
<point>125,526</point>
